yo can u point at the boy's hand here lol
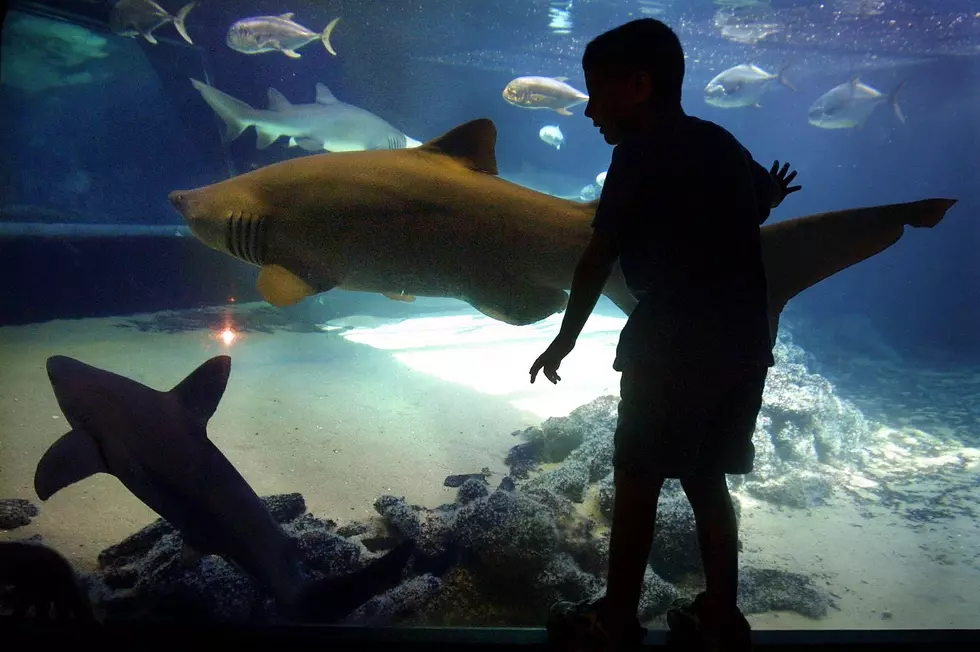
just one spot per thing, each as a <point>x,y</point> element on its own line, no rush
<point>551,359</point>
<point>781,181</point>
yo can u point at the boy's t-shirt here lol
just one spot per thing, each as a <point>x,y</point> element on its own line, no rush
<point>684,203</point>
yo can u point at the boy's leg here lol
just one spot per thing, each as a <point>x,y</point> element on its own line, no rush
<point>717,529</point>
<point>634,516</point>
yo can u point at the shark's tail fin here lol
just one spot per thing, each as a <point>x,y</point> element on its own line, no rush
<point>893,100</point>
<point>237,115</point>
<point>179,21</point>
<point>325,35</point>
<point>331,599</point>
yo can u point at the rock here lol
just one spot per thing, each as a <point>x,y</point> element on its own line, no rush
<point>285,507</point>
<point>399,516</point>
<point>510,536</point>
<point>402,601</point>
<point>769,589</point>
<point>796,488</point>
<point>16,512</point>
<point>353,529</point>
<point>471,490</point>
<point>656,595</point>
<point>562,579</point>
<point>569,480</point>
<point>458,480</point>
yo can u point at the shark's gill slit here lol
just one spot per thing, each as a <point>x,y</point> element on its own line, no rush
<point>252,240</point>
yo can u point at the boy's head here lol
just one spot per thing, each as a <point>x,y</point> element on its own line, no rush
<point>632,71</point>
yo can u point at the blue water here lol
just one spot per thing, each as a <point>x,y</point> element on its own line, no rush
<point>104,153</point>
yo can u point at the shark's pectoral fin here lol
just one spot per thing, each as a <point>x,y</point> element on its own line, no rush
<point>75,456</point>
<point>203,388</point>
<point>518,304</point>
<point>264,138</point>
<point>280,287</point>
<point>400,296</point>
<point>472,142</point>
<point>309,144</point>
<point>618,292</point>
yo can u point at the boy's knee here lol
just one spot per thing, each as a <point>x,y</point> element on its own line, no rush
<point>706,492</point>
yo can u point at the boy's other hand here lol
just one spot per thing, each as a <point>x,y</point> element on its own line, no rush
<point>781,181</point>
<point>551,359</point>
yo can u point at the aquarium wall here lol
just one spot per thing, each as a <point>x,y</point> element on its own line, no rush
<point>246,207</point>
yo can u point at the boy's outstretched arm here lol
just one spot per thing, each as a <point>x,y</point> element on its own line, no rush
<point>591,274</point>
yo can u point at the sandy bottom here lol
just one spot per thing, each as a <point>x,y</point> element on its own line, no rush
<point>344,416</point>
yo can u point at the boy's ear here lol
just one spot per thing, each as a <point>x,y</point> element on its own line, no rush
<point>642,86</point>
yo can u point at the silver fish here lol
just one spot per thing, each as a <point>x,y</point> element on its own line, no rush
<point>142,17</point>
<point>851,104</point>
<point>742,85</point>
<point>543,93</point>
<point>276,33</point>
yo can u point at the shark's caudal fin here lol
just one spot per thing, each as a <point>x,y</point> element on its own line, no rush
<point>473,143</point>
<point>329,600</point>
<point>802,252</point>
<point>237,115</point>
<point>179,21</point>
<point>325,35</point>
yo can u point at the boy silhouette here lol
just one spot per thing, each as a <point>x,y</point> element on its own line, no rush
<point>681,211</point>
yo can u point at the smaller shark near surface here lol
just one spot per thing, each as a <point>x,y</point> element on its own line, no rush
<point>156,444</point>
<point>326,124</point>
<point>437,221</point>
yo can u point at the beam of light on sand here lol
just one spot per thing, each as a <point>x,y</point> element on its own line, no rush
<point>491,357</point>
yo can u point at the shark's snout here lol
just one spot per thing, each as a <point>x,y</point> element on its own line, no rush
<point>179,199</point>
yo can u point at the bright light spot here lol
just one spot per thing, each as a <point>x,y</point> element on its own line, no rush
<point>227,336</point>
<point>494,358</point>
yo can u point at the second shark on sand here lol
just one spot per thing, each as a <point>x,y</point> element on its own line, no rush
<point>326,124</point>
<point>437,221</point>
<point>156,444</point>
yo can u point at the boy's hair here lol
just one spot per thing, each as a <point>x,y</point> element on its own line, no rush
<point>646,45</point>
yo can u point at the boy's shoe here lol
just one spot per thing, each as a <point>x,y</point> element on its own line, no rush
<point>693,627</point>
<point>576,626</point>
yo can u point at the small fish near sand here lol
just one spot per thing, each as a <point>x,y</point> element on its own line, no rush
<point>141,17</point>
<point>851,104</point>
<point>742,85</point>
<point>544,93</point>
<point>276,34</point>
<point>552,135</point>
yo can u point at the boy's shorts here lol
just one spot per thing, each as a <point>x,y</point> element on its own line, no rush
<point>692,419</point>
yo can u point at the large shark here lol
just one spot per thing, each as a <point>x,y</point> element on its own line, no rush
<point>437,221</point>
<point>156,444</point>
<point>326,124</point>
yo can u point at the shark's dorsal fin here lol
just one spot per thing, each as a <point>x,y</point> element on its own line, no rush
<point>287,16</point>
<point>278,101</point>
<point>201,391</point>
<point>473,142</point>
<point>324,96</point>
<point>74,457</point>
<point>560,79</point>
